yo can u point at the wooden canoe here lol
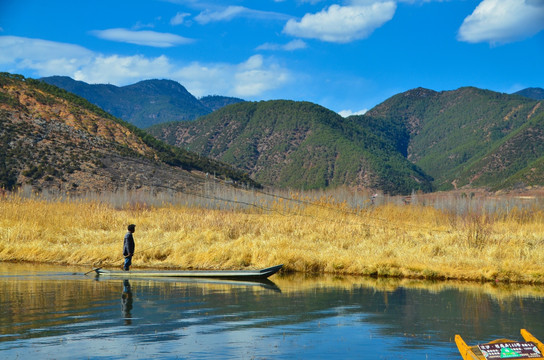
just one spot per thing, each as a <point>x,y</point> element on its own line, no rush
<point>531,348</point>
<point>215,274</point>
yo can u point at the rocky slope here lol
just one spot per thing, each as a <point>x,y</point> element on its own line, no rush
<point>51,139</point>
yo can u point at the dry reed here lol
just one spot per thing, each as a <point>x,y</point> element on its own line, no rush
<point>311,234</point>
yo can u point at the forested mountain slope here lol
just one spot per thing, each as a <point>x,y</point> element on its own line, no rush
<point>467,137</point>
<point>298,145</point>
<point>532,93</point>
<point>459,136</point>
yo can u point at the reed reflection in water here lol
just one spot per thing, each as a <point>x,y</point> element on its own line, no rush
<point>60,314</point>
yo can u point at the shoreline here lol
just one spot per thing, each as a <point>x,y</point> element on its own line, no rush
<point>281,273</point>
<point>384,241</point>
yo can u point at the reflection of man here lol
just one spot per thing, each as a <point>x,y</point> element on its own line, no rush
<point>126,302</point>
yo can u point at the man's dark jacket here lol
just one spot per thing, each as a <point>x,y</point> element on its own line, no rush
<point>128,246</point>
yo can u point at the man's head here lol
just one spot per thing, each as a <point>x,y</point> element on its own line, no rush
<point>131,228</point>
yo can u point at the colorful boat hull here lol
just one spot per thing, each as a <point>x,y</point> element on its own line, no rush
<point>531,348</point>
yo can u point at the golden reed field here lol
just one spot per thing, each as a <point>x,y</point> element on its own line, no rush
<point>452,238</point>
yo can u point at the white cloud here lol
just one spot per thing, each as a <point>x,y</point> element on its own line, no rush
<point>503,21</point>
<point>38,58</point>
<point>19,47</point>
<point>346,113</point>
<point>140,25</point>
<point>254,77</point>
<point>420,1</point>
<point>179,18</point>
<point>226,14</point>
<point>342,24</point>
<point>232,12</point>
<point>147,38</point>
<point>290,46</point>
<point>248,79</point>
<point>295,45</point>
<point>117,69</point>
<point>313,2</point>
<point>42,56</point>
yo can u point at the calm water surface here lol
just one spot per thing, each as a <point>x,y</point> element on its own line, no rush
<point>58,313</point>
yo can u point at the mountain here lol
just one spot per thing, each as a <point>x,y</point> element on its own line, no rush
<point>417,140</point>
<point>532,93</point>
<point>55,140</point>
<point>469,137</point>
<point>216,102</point>
<point>298,145</point>
<point>464,138</point>
<point>145,103</point>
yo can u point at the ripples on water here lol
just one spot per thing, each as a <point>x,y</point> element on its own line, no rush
<point>57,313</point>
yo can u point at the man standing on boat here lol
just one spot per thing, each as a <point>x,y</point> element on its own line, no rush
<point>128,247</point>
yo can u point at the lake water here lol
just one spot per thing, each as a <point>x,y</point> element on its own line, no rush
<point>51,312</point>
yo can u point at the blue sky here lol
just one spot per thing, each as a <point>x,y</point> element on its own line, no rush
<point>345,55</point>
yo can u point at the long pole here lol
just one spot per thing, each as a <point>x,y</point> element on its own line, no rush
<point>141,251</point>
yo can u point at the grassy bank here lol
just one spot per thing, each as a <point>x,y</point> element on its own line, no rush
<point>386,239</point>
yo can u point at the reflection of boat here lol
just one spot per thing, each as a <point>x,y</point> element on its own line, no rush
<point>264,283</point>
<point>254,282</point>
<point>216,274</point>
<point>531,348</point>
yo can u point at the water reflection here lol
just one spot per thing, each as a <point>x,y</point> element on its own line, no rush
<point>54,314</point>
<point>126,302</point>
